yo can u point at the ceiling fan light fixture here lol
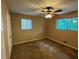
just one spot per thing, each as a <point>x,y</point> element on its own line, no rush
<point>48,16</point>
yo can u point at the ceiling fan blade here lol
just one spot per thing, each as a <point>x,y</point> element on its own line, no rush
<point>56,14</point>
<point>58,10</point>
<point>42,10</point>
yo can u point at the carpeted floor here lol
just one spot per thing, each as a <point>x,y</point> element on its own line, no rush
<point>42,49</point>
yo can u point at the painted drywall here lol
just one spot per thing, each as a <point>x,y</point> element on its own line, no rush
<point>19,35</point>
<point>71,37</point>
<point>3,49</point>
<point>6,32</point>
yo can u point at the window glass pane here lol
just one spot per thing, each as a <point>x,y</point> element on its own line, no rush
<point>73,24</point>
<point>61,24</point>
<point>26,24</point>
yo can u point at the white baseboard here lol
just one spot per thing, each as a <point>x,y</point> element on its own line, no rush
<point>44,38</point>
<point>27,41</point>
<point>62,43</point>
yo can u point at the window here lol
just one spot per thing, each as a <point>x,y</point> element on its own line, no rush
<point>61,24</point>
<point>67,24</point>
<point>26,24</point>
<point>73,24</point>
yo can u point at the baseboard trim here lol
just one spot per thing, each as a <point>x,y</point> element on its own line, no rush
<point>10,52</point>
<point>62,43</point>
<point>44,38</point>
<point>28,41</point>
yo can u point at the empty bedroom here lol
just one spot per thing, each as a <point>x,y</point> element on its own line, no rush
<point>39,29</point>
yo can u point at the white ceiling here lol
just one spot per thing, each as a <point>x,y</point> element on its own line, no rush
<point>33,7</point>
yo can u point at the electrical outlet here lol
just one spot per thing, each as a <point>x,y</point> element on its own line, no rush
<point>65,41</point>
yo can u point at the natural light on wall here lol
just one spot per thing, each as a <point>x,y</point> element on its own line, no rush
<point>26,24</point>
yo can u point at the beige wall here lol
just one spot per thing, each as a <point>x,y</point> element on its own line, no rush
<point>5,33</point>
<point>71,37</point>
<point>37,32</point>
<point>43,28</point>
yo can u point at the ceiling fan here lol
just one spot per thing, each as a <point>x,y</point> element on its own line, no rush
<point>50,11</point>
